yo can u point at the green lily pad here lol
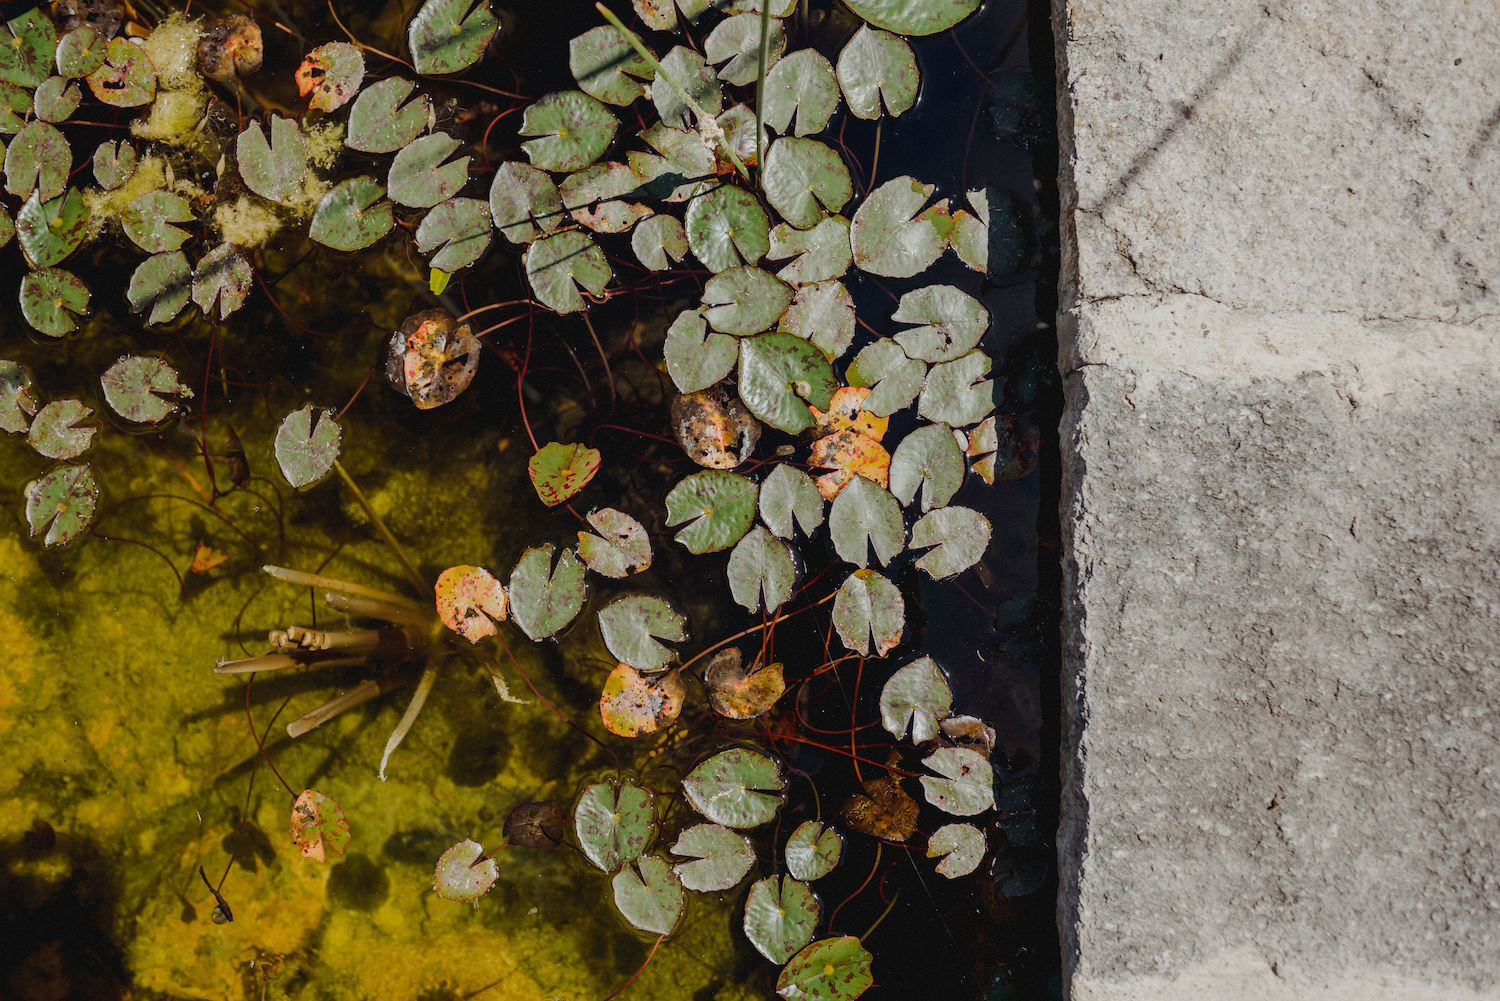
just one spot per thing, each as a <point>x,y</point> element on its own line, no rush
<point>353,215</point>
<point>126,79</point>
<point>957,393</point>
<point>893,235</point>
<point>622,546</point>
<point>524,202</point>
<point>307,445</point>
<point>17,402</point>
<point>864,512</point>
<point>50,298</point>
<point>331,75</point>
<point>596,197</point>
<point>801,86</point>
<point>661,15</point>
<point>987,237</point>
<point>542,599</point>
<point>50,231</point>
<point>163,282</point>
<point>954,322</point>
<point>56,99</point>
<point>721,858</point>
<point>26,47</point>
<point>146,390</point>
<point>875,66</point>
<point>461,227</point>
<point>685,75</point>
<point>719,507</point>
<point>274,169</point>
<point>916,697</point>
<point>735,42</point>
<point>914,17</point>
<point>659,242</point>
<point>614,824</point>
<point>726,226</point>
<point>607,67</point>
<point>114,162</point>
<point>463,874</point>
<point>761,570</point>
<point>80,51</point>
<point>650,896</point>
<point>448,36</point>
<point>966,785</point>
<point>781,915</point>
<point>559,471</point>
<point>56,433</point>
<point>61,503</point>
<point>736,788</point>
<point>682,169</point>
<point>738,125</point>
<point>696,359</point>
<point>822,313</point>
<point>894,378</point>
<point>15,108</point>
<point>379,121</point>
<point>7,228</point>
<point>780,374</point>
<point>420,179</point>
<point>961,536</point>
<point>928,456</point>
<point>556,266</point>
<point>813,850</point>
<point>804,179</point>
<point>38,159</point>
<point>961,844</point>
<point>224,276</point>
<point>744,300</point>
<point>787,494</point>
<point>148,221</point>
<point>868,607</point>
<point>819,254</point>
<point>831,969</point>
<point>574,130</point>
<point>631,626</point>
<point>318,825</point>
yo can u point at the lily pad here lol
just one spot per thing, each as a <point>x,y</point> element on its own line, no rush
<point>15,108</point>
<point>818,254</point>
<point>736,42</point>
<point>559,471</point>
<point>893,235</point>
<point>543,599</point>
<point>780,374</point>
<point>801,87</point>
<point>460,227</point>
<point>878,66</point>
<point>714,428</point>
<point>353,215</point>
<point>50,231</point>
<point>682,169</point>
<point>696,359</point>
<point>143,389</point>
<point>789,493</point>
<point>614,824</point>
<point>126,79</point>
<point>17,402</point>
<point>804,180</point>
<point>957,393</point>
<point>685,75</point>
<point>631,626</point>
<point>420,179</point>
<point>37,160</point>
<point>954,321</point>
<point>659,242</point>
<point>893,378</point>
<point>607,67</point>
<point>822,313</point>
<point>307,445</point>
<point>744,300</point>
<point>914,17</point>
<point>633,704</point>
<point>661,15</point>
<point>962,846</point>
<point>383,121</point>
<point>330,75</point>
<point>849,454</point>
<point>736,788</point>
<point>813,850</point>
<point>831,969</point>
<point>622,546</point>
<point>966,785</point>
<point>470,601</point>
<point>864,512</point>
<point>574,130</point>
<point>928,459</point>
<point>50,298</point>
<point>61,503</point>
<point>987,237</point>
<point>27,43</point>
<point>431,358</point>
<point>596,197</point>
<point>80,51</point>
<point>721,858</point>
<point>318,826</point>
<point>846,412</point>
<point>781,915</point>
<point>463,873</point>
<point>557,266</point>
<point>868,606</point>
<point>273,170</point>
<point>56,99</point>
<point>56,432</point>
<point>761,571</point>
<point>448,36</point>
<point>524,202</point>
<point>740,694</point>
<point>650,896</point>
<point>718,506</point>
<point>726,226</point>
<point>917,697</point>
<point>148,221</point>
<point>114,162</point>
<point>224,276</point>
<point>960,534</point>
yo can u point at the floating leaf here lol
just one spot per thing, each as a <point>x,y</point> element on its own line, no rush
<point>447,36</point>
<point>787,493</point>
<point>607,67</point>
<point>822,313</point>
<point>543,599</point>
<point>17,402</point>
<point>820,253</point>
<point>559,471</point>
<point>894,378</point>
<point>222,275</point>
<point>56,434</point>
<point>595,197</point>
<point>967,785</point>
<point>726,226</point>
<point>988,239</point>
<point>461,226</point>
<point>574,130</point>
<point>849,454</point>
<point>50,298</point>
<point>331,73</point>
<point>15,107</point>
<point>868,606</point>
<point>80,51</point>
<point>26,47</point>
<point>883,810</point>
<point>650,896</point>
<point>802,86</point>
<point>126,79</point>
<point>431,358</point>
<point>661,15</point>
<point>918,695</point>
<point>318,826</point>
<point>813,850</point>
<point>682,169</point>
<point>781,915</point>
<point>696,359</point>
<point>893,235</point>
<point>1001,452</point>
<point>846,411</point>
<point>7,228</point>
<point>353,215</point>
<point>147,220</point>
<point>420,179</point>
<point>621,547</point>
<point>714,428</point>
<point>736,42</point>
<point>780,374</point>
<point>718,506</point>
<point>463,874</point>
<point>738,125</point>
<point>56,99</point>
<point>721,858</point>
<point>114,162</point>
<point>62,503</point>
<point>614,824</point>
<point>537,825</point>
<point>274,169</point>
<point>657,239</point>
<point>737,788</point>
<point>875,66</point>
<point>963,844</point>
<point>738,694</point>
<point>206,558</point>
<point>863,511</point>
<point>685,70</point>
<point>229,50</point>
<point>930,456</point>
<point>804,179</point>
<point>831,969</point>
<point>37,159</point>
<point>556,266</point>
<point>914,17</point>
<point>954,322</point>
<point>761,569</point>
<point>142,389</point>
<point>744,300</point>
<point>956,392</point>
<point>50,231</point>
<point>470,601</point>
<point>633,703</point>
<point>524,202</point>
<point>630,626</point>
<point>960,534</point>
<point>307,445</point>
<point>380,123</point>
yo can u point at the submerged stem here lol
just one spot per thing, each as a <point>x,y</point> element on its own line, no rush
<point>305,579</point>
<point>356,696</point>
<point>385,533</point>
<point>413,709</point>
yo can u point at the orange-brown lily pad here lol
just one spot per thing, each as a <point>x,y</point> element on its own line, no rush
<point>634,704</point>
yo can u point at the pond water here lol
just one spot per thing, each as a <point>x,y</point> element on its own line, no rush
<point>129,764</point>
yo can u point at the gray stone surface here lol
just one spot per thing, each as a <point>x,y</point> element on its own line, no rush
<point>1281,500</point>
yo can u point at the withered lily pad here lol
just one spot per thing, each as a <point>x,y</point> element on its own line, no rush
<point>330,75</point>
<point>470,601</point>
<point>431,358</point>
<point>318,826</point>
<point>740,694</point>
<point>633,703</point>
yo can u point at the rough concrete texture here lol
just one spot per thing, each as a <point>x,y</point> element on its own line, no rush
<point>1281,500</point>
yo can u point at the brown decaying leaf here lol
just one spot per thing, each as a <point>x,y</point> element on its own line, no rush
<point>844,413</point>
<point>741,694</point>
<point>971,732</point>
<point>206,558</point>
<point>883,810</point>
<point>715,429</point>
<point>431,358</point>
<point>537,825</point>
<point>634,704</point>
<point>230,46</point>
<point>849,454</point>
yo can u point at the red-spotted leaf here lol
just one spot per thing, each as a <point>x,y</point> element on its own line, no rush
<point>464,872</point>
<point>559,471</point>
<point>80,51</point>
<point>318,826</point>
<point>331,74</point>
<point>831,969</point>
<point>470,601</point>
<point>50,231</point>
<point>114,162</point>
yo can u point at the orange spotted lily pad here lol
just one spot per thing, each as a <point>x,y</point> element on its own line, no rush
<point>470,601</point>
<point>633,704</point>
<point>849,454</point>
<point>206,558</point>
<point>318,825</point>
<point>560,471</point>
<point>844,412</point>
